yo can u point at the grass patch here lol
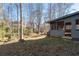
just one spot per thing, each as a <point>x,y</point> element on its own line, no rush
<point>46,46</point>
<point>50,41</point>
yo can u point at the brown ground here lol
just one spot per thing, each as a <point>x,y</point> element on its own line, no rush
<point>41,47</point>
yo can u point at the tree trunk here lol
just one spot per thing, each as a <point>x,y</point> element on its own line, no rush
<point>21,24</point>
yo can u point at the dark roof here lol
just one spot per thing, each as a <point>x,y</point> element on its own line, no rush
<point>63,17</point>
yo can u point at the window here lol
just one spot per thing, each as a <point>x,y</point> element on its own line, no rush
<point>57,25</point>
<point>60,25</point>
<point>53,26</point>
<point>77,24</point>
<point>68,25</point>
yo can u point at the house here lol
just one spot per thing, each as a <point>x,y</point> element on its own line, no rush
<point>66,26</point>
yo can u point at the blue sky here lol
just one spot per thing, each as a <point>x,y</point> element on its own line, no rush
<point>76,7</point>
<point>26,10</point>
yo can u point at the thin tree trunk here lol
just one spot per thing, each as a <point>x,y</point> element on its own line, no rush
<point>50,11</point>
<point>21,24</point>
<point>17,19</point>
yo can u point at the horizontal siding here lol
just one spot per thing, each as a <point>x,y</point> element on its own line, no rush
<point>56,33</point>
<point>75,33</point>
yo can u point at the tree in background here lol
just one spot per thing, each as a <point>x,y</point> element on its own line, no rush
<point>21,24</point>
<point>58,9</point>
<point>38,16</point>
<point>31,20</point>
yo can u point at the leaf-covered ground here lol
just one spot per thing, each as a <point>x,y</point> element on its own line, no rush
<point>41,47</point>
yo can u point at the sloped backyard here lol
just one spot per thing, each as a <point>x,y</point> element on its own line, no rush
<point>41,47</point>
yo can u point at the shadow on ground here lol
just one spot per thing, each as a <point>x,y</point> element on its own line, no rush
<point>41,47</point>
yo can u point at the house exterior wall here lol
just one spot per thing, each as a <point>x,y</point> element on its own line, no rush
<point>56,33</point>
<point>60,32</point>
<point>75,33</point>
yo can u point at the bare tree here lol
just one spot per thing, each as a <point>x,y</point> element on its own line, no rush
<point>63,8</point>
<point>58,9</point>
<point>31,17</point>
<point>1,9</point>
<point>21,24</point>
<point>17,10</point>
<point>38,15</point>
<point>49,11</point>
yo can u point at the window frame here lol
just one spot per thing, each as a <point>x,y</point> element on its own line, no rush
<point>77,24</point>
<point>60,27</point>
